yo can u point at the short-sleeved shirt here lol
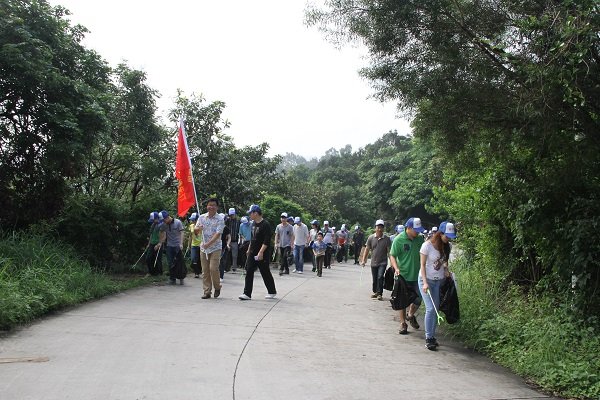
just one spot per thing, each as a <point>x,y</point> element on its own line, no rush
<point>434,265</point>
<point>173,231</point>
<point>245,231</point>
<point>319,247</point>
<point>196,239</point>
<point>407,255</point>
<point>285,234</point>
<point>211,225</point>
<point>328,235</point>
<point>342,236</point>
<point>300,234</point>
<point>261,234</point>
<point>234,227</point>
<point>380,248</point>
<point>154,234</point>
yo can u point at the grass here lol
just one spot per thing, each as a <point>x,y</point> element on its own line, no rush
<point>39,275</point>
<point>533,335</point>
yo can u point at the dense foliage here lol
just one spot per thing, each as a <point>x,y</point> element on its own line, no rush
<point>504,97</point>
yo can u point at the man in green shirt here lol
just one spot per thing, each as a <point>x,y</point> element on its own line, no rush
<point>153,260</point>
<point>405,258</point>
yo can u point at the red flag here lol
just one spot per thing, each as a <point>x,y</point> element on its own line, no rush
<point>186,196</point>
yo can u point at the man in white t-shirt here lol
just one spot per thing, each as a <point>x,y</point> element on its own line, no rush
<point>301,238</point>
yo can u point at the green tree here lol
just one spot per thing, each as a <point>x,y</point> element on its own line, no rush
<point>51,108</point>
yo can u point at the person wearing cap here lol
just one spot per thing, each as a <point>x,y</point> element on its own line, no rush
<point>405,259</point>
<point>328,239</point>
<point>171,235</point>
<point>358,241</point>
<point>315,228</point>
<point>319,248</point>
<point>435,254</point>
<point>210,225</point>
<point>300,240</point>
<point>342,239</point>
<point>244,234</point>
<point>194,245</point>
<point>397,230</point>
<point>284,237</point>
<point>258,255</point>
<point>153,259</point>
<point>234,228</point>
<point>379,244</point>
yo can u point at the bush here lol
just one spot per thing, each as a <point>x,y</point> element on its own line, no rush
<point>107,233</point>
<point>39,275</point>
<point>532,334</point>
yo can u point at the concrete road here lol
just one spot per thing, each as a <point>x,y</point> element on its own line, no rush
<point>322,338</point>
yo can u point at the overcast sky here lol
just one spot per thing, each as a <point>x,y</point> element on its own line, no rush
<point>282,82</point>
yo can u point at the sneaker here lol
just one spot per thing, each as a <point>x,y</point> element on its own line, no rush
<point>197,276</point>
<point>206,296</point>
<point>280,273</point>
<point>431,344</point>
<point>217,293</point>
<point>270,295</point>
<point>221,280</point>
<point>435,342</point>
<point>374,296</point>
<point>294,271</point>
<point>379,297</point>
<point>403,329</point>
<point>412,320</point>
<point>287,272</point>
<point>300,272</point>
<point>244,297</point>
<point>314,270</point>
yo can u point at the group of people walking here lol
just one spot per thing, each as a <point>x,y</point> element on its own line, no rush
<point>419,263</point>
<point>420,266</point>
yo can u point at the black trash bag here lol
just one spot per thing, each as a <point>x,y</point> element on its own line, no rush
<point>388,279</point>
<point>178,269</point>
<point>242,250</point>
<point>449,301</point>
<point>402,294</point>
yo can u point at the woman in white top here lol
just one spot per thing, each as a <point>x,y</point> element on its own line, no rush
<point>434,270</point>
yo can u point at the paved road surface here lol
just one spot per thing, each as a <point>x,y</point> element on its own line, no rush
<point>322,338</point>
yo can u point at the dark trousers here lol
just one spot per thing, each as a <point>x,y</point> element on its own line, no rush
<point>328,252</point>
<point>320,260</point>
<point>357,249</point>
<point>223,262</point>
<point>154,261</point>
<point>265,272</point>
<point>378,272</point>
<point>284,264</point>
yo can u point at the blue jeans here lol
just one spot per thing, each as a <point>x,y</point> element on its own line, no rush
<point>430,315</point>
<point>299,258</point>
<point>378,271</point>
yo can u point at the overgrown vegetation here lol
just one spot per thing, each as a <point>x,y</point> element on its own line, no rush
<point>536,334</point>
<point>39,275</point>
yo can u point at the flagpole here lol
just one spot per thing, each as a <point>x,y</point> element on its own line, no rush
<point>187,150</point>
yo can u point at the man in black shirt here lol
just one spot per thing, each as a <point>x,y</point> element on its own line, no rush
<point>258,255</point>
<point>358,239</point>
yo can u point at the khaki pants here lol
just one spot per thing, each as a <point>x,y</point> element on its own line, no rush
<point>210,271</point>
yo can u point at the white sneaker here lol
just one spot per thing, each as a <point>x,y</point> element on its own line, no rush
<point>268,296</point>
<point>244,297</point>
<point>300,272</point>
<point>221,280</point>
<point>294,271</point>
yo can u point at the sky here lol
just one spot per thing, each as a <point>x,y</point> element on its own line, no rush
<point>282,82</point>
